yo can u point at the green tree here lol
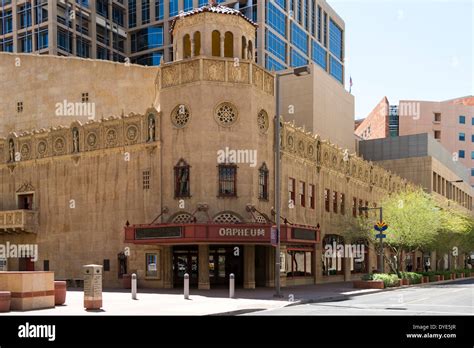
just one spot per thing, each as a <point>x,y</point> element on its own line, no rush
<point>413,223</point>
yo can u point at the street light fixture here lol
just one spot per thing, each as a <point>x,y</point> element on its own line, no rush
<point>299,71</point>
<point>381,262</point>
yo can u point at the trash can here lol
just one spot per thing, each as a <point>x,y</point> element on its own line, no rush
<point>59,292</point>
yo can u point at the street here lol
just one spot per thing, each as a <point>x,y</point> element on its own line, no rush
<point>455,298</point>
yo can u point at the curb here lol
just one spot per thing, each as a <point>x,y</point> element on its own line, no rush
<point>347,297</point>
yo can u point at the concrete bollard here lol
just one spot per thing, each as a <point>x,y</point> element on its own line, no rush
<point>186,286</point>
<point>231,285</point>
<point>134,286</point>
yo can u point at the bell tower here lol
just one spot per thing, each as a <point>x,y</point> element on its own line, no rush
<point>214,100</point>
<point>206,32</point>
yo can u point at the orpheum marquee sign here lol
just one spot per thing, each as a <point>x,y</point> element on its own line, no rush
<point>242,232</point>
<point>215,233</point>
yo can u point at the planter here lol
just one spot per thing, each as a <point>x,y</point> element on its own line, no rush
<point>404,282</point>
<point>438,278</point>
<point>425,279</point>
<point>127,281</point>
<point>459,275</point>
<point>453,276</point>
<point>59,292</point>
<point>5,301</point>
<point>368,284</point>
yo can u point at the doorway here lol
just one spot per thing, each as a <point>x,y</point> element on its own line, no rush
<point>25,201</point>
<point>224,260</point>
<point>25,264</point>
<point>185,260</point>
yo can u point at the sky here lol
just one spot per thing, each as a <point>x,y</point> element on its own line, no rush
<point>407,49</point>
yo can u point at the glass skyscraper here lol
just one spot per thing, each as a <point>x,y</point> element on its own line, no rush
<point>290,32</point>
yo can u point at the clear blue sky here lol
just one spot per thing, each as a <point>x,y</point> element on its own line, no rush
<point>407,49</point>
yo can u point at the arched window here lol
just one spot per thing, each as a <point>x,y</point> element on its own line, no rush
<point>250,50</point>
<point>229,45</point>
<point>263,182</point>
<point>186,46</point>
<point>244,47</point>
<point>216,43</point>
<point>181,179</point>
<point>197,43</point>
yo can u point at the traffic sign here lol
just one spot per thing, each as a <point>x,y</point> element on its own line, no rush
<point>380,226</point>
<point>380,235</point>
<point>273,235</point>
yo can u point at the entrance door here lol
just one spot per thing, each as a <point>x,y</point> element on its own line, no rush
<point>224,260</point>
<point>185,260</point>
<point>25,264</point>
<point>25,201</point>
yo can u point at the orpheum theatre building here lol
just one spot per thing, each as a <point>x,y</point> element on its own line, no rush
<point>187,185</point>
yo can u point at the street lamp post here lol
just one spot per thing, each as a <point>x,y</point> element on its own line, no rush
<point>381,261</point>
<point>300,71</point>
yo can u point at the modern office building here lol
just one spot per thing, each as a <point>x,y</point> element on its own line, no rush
<point>290,32</point>
<point>82,28</point>
<point>162,191</point>
<point>421,159</point>
<point>450,122</point>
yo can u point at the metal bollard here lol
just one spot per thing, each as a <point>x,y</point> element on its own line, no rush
<point>232,285</point>
<point>186,286</point>
<point>134,286</point>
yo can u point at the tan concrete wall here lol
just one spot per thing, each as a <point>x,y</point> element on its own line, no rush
<point>321,105</point>
<point>84,200</point>
<point>40,82</point>
<point>419,170</point>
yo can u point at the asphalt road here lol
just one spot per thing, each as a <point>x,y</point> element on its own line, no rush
<point>455,298</point>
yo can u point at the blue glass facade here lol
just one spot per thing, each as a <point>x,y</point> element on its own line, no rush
<point>335,68</point>
<point>335,39</point>
<point>276,19</point>
<point>319,55</point>
<point>281,3</point>
<point>276,46</point>
<point>146,39</point>
<point>145,11</point>
<point>132,13</point>
<point>159,9</point>
<point>272,64</point>
<point>299,38</point>
<point>173,7</point>
<point>297,59</point>
<point>188,5</point>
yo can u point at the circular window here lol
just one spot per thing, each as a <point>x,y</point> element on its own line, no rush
<point>262,120</point>
<point>226,114</point>
<point>180,116</point>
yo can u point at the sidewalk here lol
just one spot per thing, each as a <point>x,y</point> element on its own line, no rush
<point>204,302</point>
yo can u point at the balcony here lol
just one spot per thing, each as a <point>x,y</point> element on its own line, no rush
<point>18,221</point>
